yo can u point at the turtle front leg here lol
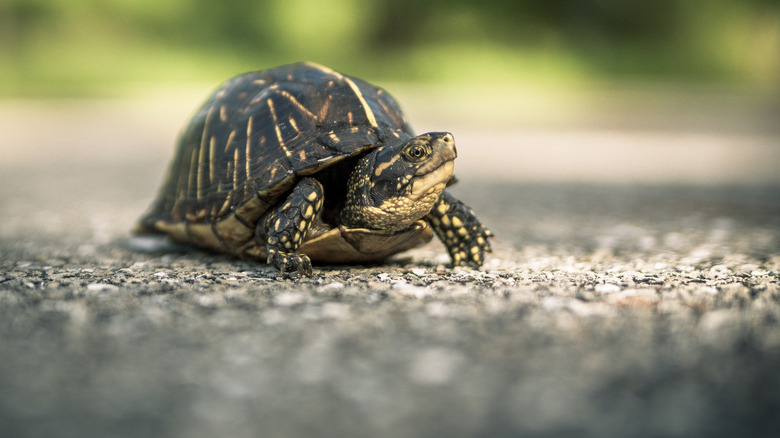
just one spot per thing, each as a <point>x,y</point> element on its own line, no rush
<point>459,229</point>
<point>286,227</point>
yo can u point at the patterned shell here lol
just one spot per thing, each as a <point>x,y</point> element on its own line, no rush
<point>260,132</point>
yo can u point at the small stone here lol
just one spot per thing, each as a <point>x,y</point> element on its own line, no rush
<point>335,310</point>
<point>336,285</point>
<point>101,287</point>
<point>607,288</point>
<point>287,299</point>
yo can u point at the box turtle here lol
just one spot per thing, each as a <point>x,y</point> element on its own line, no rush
<point>300,163</point>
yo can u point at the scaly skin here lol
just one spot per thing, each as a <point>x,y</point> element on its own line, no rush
<point>286,227</point>
<point>459,229</point>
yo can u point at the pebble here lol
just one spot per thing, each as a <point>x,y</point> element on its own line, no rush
<point>101,287</point>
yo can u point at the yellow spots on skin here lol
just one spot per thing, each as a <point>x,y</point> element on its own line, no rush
<point>442,208</point>
<point>297,237</point>
<point>474,250</point>
<point>311,196</point>
<point>456,222</point>
<point>284,238</point>
<point>288,244</point>
<point>445,220</point>
<point>278,225</point>
<point>480,240</point>
<point>462,231</point>
<point>307,214</point>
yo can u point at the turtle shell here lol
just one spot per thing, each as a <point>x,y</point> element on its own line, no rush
<point>254,139</point>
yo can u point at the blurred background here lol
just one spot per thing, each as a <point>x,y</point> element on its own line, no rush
<point>81,47</point>
<point>600,90</point>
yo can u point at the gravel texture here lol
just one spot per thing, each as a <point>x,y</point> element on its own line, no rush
<point>605,310</point>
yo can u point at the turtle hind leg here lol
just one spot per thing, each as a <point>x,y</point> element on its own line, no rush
<point>286,227</point>
<point>459,229</point>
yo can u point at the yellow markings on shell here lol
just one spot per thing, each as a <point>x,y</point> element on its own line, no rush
<point>323,112</point>
<point>323,69</point>
<point>235,168</point>
<point>248,159</point>
<point>258,82</point>
<point>230,140</point>
<point>349,117</point>
<point>297,104</point>
<point>278,128</point>
<point>294,124</point>
<point>223,116</point>
<point>212,160</point>
<point>307,214</point>
<point>199,156</point>
<point>356,90</point>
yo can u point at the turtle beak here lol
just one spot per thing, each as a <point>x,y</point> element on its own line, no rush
<point>444,145</point>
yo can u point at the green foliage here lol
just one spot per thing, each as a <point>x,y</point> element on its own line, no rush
<point>74,46</point>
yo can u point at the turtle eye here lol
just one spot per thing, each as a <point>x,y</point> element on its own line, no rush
<point>416,152</point>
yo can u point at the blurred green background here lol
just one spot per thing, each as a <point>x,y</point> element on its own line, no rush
<point>112,47</point>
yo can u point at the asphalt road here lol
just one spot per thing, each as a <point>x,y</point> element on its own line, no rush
<point>640,309</point>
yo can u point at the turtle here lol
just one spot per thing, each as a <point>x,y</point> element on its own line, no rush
<point>300,163</point>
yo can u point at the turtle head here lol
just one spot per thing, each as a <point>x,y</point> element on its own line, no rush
<point>393,186</point>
